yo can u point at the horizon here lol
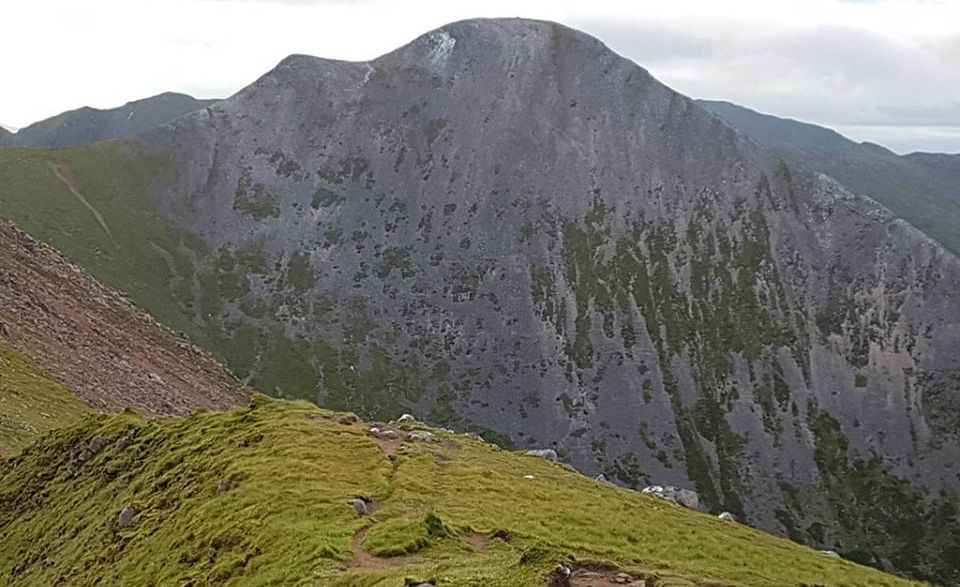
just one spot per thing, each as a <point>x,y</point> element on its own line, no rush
<point>873,70</point>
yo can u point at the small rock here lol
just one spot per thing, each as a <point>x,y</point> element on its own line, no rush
<point>359,505</point>
<point>474,436</point>
<point>622,578</point>
<point>125,519</point>
<point>529,477</point>
<point>727,516</point>
<point>223,486</point>
<point>421,437</point>
<point>684,497</point>
<point>407,418</point>
<point>448,430</point>
<point>384,433</point>
<point>601,478</point>
<point>544,453</point>
<point>831,553</point>
<point>97,444</point>
<point>417,583</point>
<point>688,498</point>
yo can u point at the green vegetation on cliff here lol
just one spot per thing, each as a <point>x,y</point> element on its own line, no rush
<point>31,402</point>
<point>259,496</point>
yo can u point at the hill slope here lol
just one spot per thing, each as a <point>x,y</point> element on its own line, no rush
<point>259,497</point>
<point>93,341</point>
<point>922,188</point>
<point>89,125</point>
<point>507,227</point>
<point>31,403</point>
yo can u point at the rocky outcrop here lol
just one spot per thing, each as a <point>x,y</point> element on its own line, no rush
<point>685,497</point>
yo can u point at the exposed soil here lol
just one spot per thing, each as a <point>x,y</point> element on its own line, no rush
<point>97,342</point>
<point>478,541</point>
<point>389,446</point>
<point>363,559</point>
<point>598,575</point>
<point>594,574</point>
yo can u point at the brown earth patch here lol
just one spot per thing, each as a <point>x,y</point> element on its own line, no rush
<point>477,541</point>
<point>364,559</point>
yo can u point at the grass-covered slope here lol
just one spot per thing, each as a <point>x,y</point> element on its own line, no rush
<point>258,496</point>
<point>31,402</point>
<point>91,203</point>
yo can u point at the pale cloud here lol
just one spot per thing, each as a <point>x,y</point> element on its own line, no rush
<point>882,64</point>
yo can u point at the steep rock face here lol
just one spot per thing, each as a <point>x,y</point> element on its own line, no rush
<point>923,188</point>
<point>506,226</point>
<point>88,125</point>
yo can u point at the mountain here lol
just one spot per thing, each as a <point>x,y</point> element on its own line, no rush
<point>922,188</point>
<point>507,228</point>
<point>69,345</point>
<point>260,496</point>
<point>6,129</point>
<point>89,125</point>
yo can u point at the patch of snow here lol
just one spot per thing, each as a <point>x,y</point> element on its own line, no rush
<point>442,45</point>
<point>9,128</point>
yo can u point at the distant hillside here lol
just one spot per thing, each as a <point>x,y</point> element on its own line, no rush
<point>260,497</point>
<point>60,330</point>
<point>922,188</point>
<point>89,125</point>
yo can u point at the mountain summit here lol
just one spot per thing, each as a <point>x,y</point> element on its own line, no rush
<point>506,227</point>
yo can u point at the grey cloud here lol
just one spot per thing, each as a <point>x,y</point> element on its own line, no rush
<point>828,75</point>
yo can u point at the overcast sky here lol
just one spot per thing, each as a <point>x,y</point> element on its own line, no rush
<point>881,70</point>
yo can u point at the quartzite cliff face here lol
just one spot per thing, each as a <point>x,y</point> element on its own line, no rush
<point>507,226</point>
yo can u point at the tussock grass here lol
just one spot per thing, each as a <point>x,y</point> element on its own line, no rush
<point>31,402</point>
<point>258,497</point>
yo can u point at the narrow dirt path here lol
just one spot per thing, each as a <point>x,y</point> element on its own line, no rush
<point>363,559</point>
<point>63,174</point>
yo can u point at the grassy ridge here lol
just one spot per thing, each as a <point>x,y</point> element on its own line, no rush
<point>258,497</point>
<point>31,403</point>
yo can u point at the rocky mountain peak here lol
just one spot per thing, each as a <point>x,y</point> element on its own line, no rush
<point>505,227</point>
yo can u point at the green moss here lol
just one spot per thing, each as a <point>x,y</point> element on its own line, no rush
<point>31,403</point>
<point>299,274</point>
<point>396,537</point>
<point>257,497</point>
<point>885,521</point>
<point>395,259</point>
<point>258,204</point>
<point>324,198</point>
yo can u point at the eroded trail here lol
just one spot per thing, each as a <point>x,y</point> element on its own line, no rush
<point>63,174</point>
